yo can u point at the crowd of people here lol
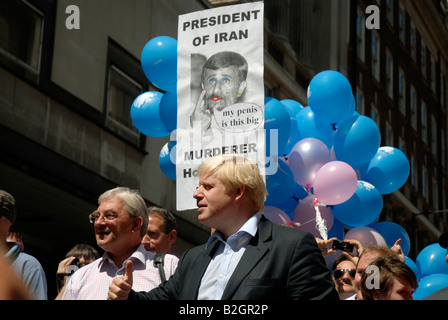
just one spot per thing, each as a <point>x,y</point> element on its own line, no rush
<point>247,257</point>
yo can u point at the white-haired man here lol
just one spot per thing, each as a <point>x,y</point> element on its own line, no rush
<point>120,223</point>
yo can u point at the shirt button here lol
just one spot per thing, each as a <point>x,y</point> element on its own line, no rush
<point>229,252</point>
<point>221,276</point>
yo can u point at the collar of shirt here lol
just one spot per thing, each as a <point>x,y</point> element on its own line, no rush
<point>14,252</point>
<point>248,230</point>
<point>138,256</point>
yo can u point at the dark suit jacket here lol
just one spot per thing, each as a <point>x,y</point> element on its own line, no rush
<point>279,263</point>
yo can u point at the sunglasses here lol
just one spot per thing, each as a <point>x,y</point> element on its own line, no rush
<point>340,272</point>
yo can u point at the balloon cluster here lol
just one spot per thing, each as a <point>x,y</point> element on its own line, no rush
<point>332,171</point>
<point>431,271</point>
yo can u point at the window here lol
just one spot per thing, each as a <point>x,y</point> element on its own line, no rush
<point>401,23</point>
<point>435,188</point>
<point>21,29</point>
<point>374,114</point>
<point>360,103</point>
<point>414,171</point>
<point>424,182</point>
<point>413,104</point>
<point>402,144</point>
<point>360,33</point>
<point>389,74</point>
<point>413,42</point>
<point>433,135</point>
<point>432,74</point>
<point>389,134</point>
<point>121,93</point>
<point>390,11</point>
<point>125,81</point>
<point>401,91</point>
<point>376,55</point>
<point>424,122</point>
<point>423,59</point>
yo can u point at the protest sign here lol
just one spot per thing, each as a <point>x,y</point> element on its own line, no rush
<point>220,90</point>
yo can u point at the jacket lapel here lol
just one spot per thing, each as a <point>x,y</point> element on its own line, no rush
<point>200,265</point>
<point>255,251</point>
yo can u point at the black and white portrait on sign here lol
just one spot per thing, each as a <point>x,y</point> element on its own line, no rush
<point>222,83</point>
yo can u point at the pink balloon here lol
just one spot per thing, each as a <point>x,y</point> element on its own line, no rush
<point>335,183</point>
<point>367,236</point>
<point>306,158</point>
<point>276,215</point>
<point>305,214</point>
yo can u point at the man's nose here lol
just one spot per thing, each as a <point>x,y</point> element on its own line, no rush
<point>217,87</point>
<point>197,192</point>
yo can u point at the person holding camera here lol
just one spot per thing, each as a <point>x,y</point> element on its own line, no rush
<point>78,256</point>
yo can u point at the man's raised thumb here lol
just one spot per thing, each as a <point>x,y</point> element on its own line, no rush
<point>128,275</point>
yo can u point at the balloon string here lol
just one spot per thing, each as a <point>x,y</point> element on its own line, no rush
<point>292,178</point>
<point>298,224</point>
<point>321,224</point>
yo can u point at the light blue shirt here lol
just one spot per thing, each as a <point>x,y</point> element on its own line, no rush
<point>226,259</point>
<point>30,271</point>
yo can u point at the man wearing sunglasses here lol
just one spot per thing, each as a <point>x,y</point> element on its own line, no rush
<point>120,222</point>
<point>343,272</point>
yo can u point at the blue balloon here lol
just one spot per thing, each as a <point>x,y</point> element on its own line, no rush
<point>336,230</point>
<point>411,264</point>
<point>388,170</point>
<point>363,208</point>
<point>159,62</point>
<point>146,116</point>
<point>281,185</point>
<point>330,96</point>
<point>310,127</point>
<point>357,140</point>
<point>167,159</point>
<point>276,120</point>
<point>168,110</point>
<point>293,107</point>
<point>431,260</point>
<point>391,232</point>
<point>430,284</point>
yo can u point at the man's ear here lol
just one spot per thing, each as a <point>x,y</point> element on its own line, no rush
<point>173,236</point>
<point>240,192</point>
<point>242,87</point>
<point>138,223</point>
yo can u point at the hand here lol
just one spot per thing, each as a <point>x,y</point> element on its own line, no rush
<point>396,248</point>
<point>120,287</point>
<point>324,245</point>
<point>63,265</point>
<point>358,248</point>
<point>201,113</point>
